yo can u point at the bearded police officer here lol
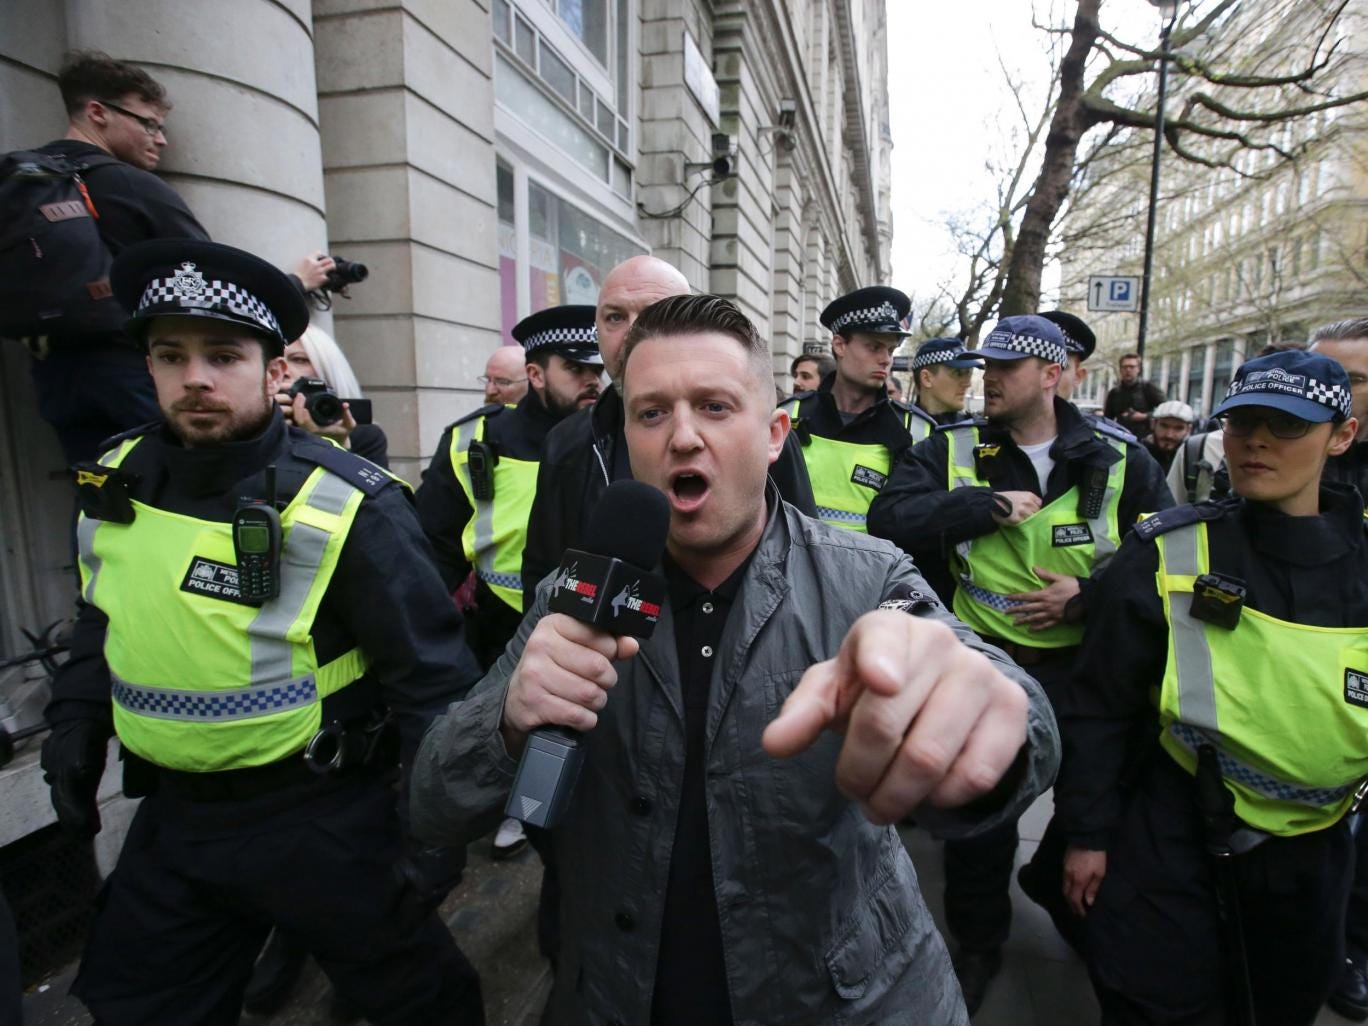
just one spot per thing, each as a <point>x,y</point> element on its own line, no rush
<point>254,598</point>
<point>477,493</point>
<point>1021,509</point>
<point>1213,865</point>
<point>942,371</point>
<point>850,430</point>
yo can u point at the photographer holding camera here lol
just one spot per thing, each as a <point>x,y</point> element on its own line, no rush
<point>317,374</point>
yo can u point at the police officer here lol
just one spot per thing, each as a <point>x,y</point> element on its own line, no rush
<point>254,597</point>
<point>850,430</point>
<point>1233,635</point>
<point>942,371</point>
<point>477,492</point>
<point>1012,515</point>
<point>1080,342</point>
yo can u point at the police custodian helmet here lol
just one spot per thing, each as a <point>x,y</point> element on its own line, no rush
<point>196,278</point>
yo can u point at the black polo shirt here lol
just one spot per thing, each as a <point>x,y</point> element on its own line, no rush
<point>691,976</point>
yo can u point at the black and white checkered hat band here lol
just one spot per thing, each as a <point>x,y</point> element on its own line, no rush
<point>884,313</point>
<point>213,295</point>
<point>1028,344</point>
<point>939,356</point>
<point>564,337</point>
<point>1296,386</point>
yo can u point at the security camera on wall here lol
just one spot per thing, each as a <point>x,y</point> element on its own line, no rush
<point>724,154</point>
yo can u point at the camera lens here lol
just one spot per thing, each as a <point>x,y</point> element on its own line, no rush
<point>324,407</point>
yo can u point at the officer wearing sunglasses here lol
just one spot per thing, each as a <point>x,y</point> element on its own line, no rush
<point>1221,708</point>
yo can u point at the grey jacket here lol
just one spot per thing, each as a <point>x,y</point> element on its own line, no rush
<point>822,919</point>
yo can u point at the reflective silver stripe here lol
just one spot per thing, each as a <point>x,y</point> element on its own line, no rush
<point>484,516</point>
<point>1256,780</point>
<point>954,440</point>
<point>1104,542</point>
<point>1191,654</point>
<point>85,542</point>
<point>844,516</point>
<point>272,653</point>
<point>218,706</point>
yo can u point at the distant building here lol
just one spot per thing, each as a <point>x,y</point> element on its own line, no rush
<point>1242,257</point>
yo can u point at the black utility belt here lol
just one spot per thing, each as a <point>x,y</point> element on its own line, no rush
<point>336,751</point>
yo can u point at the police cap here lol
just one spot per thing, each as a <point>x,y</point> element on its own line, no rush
<point>1016,338</point>
<point>567,331</point>
<point>1306,385</point>
<point>949,352</point>
<point>877,310</point>
<point>196,278</point>
<point>1078,337</point>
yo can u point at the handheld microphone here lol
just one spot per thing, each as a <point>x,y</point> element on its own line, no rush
<point>605,586</point>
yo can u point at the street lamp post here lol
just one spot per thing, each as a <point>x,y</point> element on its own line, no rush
<point>1169,10</point>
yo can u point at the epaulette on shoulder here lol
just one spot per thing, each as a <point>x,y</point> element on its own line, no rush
<point>1179,516</point>
<point>961,425</point>
<point>123,436</point>
<point>488,410</point>
<point>1112,428</point>
<point>355,470</point>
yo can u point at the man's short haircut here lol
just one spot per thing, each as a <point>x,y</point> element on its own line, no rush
<point>825,364</point>
<point>91,75</point>
<point>696,314</point>
<point>1129,356</point>
<point>1288,346</point>
<point>1352,330</point>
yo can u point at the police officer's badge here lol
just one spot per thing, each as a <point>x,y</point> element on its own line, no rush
<point>187,282</point>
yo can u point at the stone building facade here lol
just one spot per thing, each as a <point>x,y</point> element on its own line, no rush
<point>485,158</point>
<point>1264,251</point>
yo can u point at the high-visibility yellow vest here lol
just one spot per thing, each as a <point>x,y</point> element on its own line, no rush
<point>1285,705</point>
<point>989,568</point>
<point>846,476</point>
<point>202,683</point>
<point>495,536</point>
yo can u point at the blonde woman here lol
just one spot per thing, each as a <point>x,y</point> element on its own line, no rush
<point>315,355</point>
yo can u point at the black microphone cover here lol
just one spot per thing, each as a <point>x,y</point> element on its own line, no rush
<point>630,523</point>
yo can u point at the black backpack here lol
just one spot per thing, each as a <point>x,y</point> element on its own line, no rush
<point>54,267</point>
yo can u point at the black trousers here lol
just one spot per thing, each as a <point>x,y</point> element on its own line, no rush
<point>182,917</point>
<point>91,393</point>
<point>1356,924</point>
<point>1158,952</point>
<point>978,869</point>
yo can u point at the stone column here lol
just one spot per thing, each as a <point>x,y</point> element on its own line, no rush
<point>406,111</point>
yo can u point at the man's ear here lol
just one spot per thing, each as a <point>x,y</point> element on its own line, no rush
<point>276,369</point>
<point>536,376</point>
<point>779,426</point>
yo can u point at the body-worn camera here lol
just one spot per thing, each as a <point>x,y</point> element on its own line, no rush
<point>345,272</point>
<point>320,401</point>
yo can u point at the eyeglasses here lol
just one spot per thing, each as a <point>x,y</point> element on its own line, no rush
<point>1241,424</point>
<point>501,382</point>
<point>151,126</point>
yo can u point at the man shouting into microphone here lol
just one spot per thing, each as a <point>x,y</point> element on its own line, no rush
<point>729,854</point>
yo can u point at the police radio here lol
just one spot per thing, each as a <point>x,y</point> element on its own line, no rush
<point>1094,491</point>
<point>256,547</point>
<point>480,459</point>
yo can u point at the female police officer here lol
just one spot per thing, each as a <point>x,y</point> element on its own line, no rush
<point>1212,866</point>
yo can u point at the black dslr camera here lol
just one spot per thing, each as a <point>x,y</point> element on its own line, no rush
<point>321,401</point>
<point>345,272</point>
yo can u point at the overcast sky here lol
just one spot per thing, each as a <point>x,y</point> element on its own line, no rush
<point>950,108</point>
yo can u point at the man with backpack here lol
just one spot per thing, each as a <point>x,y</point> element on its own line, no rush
<point>69,208</point>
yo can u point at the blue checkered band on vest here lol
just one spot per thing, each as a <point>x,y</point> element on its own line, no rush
<point>1028,344</point>
<point>500,580</point>
<point>1232,769</point>
<point>986,598</point>
<point>238,704</point>
<point>215,295</point>
<point>1297,386</point>
<point>938,356</point>
<point>884,313</point>
<point>579,337</point>
<point>844,516</point>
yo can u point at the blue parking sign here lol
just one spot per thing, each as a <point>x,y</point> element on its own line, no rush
<point>1120,291</point>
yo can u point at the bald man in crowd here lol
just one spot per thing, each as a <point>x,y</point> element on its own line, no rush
<point>505,376</point>
<point>586,452</point>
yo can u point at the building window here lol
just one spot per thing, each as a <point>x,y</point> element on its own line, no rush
<point>570,252</point>
<point>588,20</point>
<point>508,251</point>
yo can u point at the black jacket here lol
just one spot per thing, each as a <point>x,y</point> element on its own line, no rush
<point>881,424</point>
<point>385,596</point>
<point>586,452</point>
<point>1350,469</point>
<point>916,510</point>
<point>1310,570</point>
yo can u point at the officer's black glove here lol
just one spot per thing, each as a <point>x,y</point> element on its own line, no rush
<point>73,762</point>
<point>431,872</point>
